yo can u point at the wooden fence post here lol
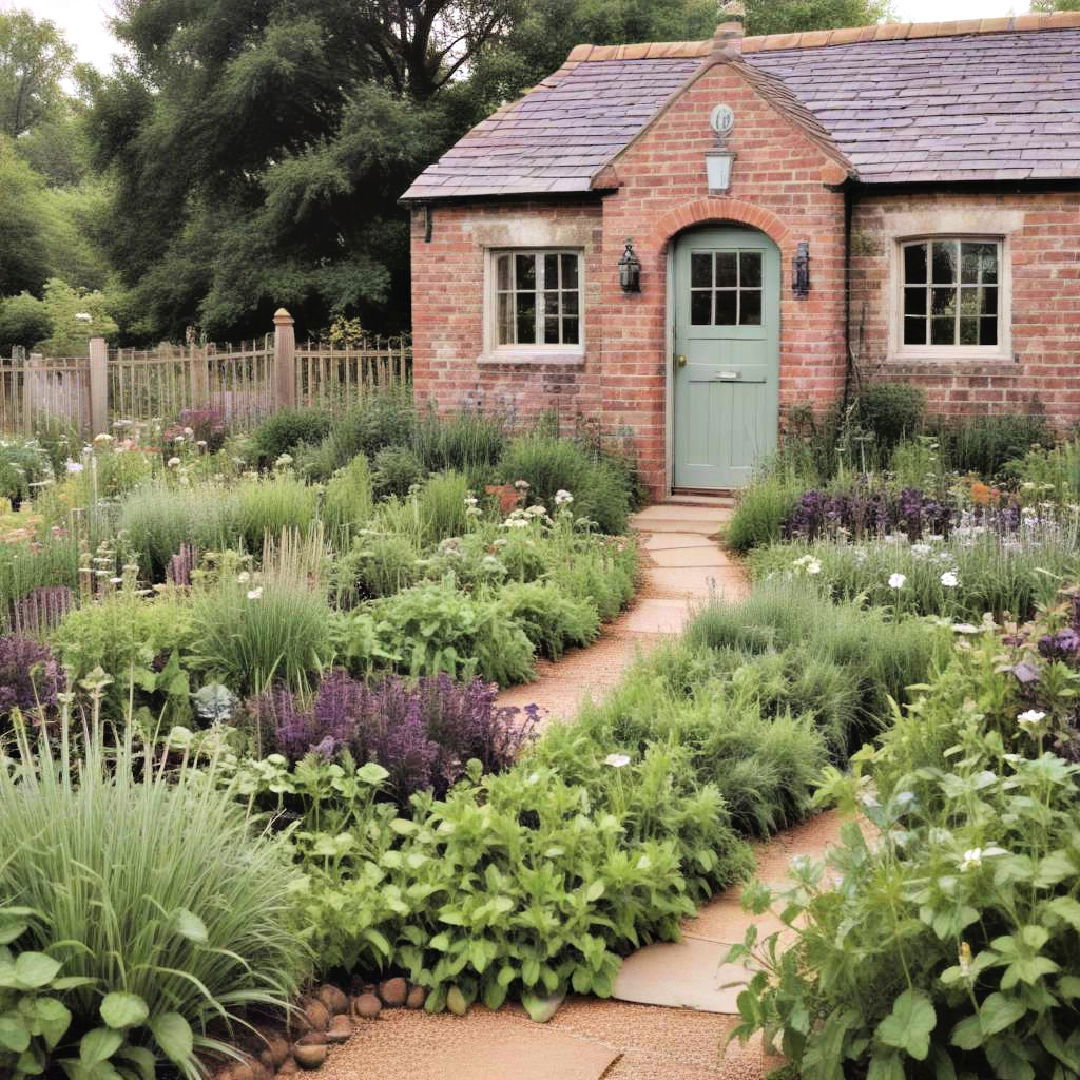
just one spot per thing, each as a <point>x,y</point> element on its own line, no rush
<point>284,360</point>
<point>199,359</point>
<point>99,387</point>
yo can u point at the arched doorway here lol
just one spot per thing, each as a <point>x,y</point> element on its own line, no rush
<point>726,334</point>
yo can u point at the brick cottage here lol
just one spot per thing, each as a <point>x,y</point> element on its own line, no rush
<point>681,241</point>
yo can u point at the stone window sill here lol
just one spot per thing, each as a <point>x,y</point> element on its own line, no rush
<point>534,357</point>
<point>958,355</point>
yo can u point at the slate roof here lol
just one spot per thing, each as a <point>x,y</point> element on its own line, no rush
<point>992,99</point>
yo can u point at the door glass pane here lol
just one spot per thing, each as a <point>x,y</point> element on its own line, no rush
<point>701,307</point>
<point>750,269</point>
<point>726,308</point>
<point>915,264</point>
<point>943,262</point>
<point>915,331</point>
<point>526,271</point>
<point>727,269</point>
<point>750,307</point>
<point>700,270</point>
<point>569,271</point>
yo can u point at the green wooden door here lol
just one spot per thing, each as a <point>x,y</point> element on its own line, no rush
<point>727,351</point>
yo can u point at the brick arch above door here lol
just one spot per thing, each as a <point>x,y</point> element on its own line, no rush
<point>717,211</point>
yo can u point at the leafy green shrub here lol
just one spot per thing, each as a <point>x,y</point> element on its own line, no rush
<point>469,441</point>
<point>266,507</point>
<point>348,501</point>
<point>761,511</point>
<point>24,320</point>
<point>145,909</point>
<point>435,628</point>
<point>443,507</point>
<point>948,945</point>
<point>549,464</point>
<point>285,431</point>
<point>377,564</point>
<point>552,620</point>
<point>604,573</point>
<point>141,645</point>
<point>23,463</point>
<point>517,885</point>
<point>983,444</point>
<point>248,633</point>
<point>396,470</point>
<point>891,411</point>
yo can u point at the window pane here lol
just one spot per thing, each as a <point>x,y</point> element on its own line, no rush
<point>551,271</point>
<point>502,272</point>
<point>915,331</point>
<point>750,269</point>
<point>570,303</point>
<point>571,333</point>
<point>988,262</point>
<point>942,301</point>
<point>943,261</point>
<point>969,301</point>
<point>943,331</point>
<point>700,270</point>
<point>989,301</point>
<point>915,300</point>
<point>526,317</point>
<point>551,330</point>
<point>526,271</point>
<point>915,264</point>
<point>701,307</point>
<point>727,269</point>
<point>569,271</point>
<point>969,331</point>
<point>551,303</point>
<point>750,307</point>
<point>725,308</point>
<point>969,263</point>
<point>506,319</point>
<point>988,331</point>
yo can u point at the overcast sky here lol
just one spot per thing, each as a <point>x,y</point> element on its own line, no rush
<point>85,22</point>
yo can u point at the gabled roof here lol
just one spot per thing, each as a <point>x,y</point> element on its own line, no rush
<point>991,99</point>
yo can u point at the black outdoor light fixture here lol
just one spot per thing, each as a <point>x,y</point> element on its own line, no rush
<point>800,270</point>
<point>629,268</point>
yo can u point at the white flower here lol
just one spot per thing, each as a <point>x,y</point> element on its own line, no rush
<point>255,593</point>
<point>470,500</point>
<point>813,567</point>
<point>964,628</point>
<point>283,460</point>
<point>103,438</point>
<point>243,577</point>
<point>563,496</point>
<point>201,442</point>
<point>949,580</point>
<point>73,466</point>
<point>617,761</point>
<point>973,857</point>
<point>536,511</point>
<point>897,581</point>
<point>173,462</point>
<point>1031,719</point>
<point>920,551</point>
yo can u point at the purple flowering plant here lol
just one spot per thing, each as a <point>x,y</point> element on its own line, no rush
<point>423,733</point>
<point>30,679</point>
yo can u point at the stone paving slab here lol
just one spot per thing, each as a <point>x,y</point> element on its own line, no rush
<point>706,557</point>
<point>680,512</point>
<point>656,615</point>
<point>654,542</point>
<point>697,582</point>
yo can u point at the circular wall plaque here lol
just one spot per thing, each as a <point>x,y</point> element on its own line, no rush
<point>722,119</point>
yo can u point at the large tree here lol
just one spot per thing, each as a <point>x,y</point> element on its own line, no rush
<point>34,60</point>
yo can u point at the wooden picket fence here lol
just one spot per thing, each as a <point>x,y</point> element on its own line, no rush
<point>243,382</point>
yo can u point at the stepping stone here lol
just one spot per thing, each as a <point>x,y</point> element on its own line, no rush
<point>676,512</point>
<point>704,557</point>
<point>657,616</point>
<point>686,974</point>
<point>697,583</point>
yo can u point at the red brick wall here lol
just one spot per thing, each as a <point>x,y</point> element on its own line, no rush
<point>777,186</point>
<point>1043,256</point>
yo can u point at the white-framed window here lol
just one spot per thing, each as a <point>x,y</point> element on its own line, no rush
<point>952,297</point>
<point>536,299</point>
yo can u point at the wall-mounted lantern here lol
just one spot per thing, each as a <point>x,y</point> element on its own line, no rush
<point>800,270</point>
<point>718,167</point>
<point>629,268</point>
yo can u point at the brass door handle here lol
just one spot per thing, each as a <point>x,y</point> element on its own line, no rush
<point>680,360</point>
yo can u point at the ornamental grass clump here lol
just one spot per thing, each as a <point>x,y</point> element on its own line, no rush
<point>152,917</point>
